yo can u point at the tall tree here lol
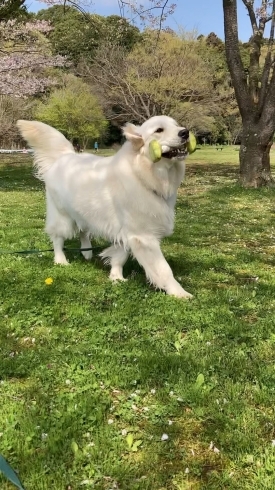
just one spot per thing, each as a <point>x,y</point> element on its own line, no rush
<point>254,89</point>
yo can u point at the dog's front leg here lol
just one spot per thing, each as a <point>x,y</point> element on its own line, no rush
<point>148,253</point>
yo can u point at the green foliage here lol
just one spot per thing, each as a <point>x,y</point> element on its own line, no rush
<point>77,36</point>
<point>119,31</point>
<point>74,111</point>
<point>168,70</point>
<point>74,35</point>
<point>13,9</point>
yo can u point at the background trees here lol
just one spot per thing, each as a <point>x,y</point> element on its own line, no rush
<point>73,110</point>
<point>78,36</point>
<point>132,74</point>
<point>164,75</point>
<point>72,35</point>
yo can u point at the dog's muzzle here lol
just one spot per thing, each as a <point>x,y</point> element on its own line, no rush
<point>179,152</point>
<point>184,135</point>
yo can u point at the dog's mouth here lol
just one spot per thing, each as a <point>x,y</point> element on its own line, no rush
<point>178,153</point>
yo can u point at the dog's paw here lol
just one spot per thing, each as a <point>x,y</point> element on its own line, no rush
<point>179,292</point>
<point>185,295</point>
<point>61,262</point>
<point>87,255</point>
<point>117,278</point>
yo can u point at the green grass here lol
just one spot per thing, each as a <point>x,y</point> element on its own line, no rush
<point>93,374</point>
<point>106,152</point>
<point>228,154</point>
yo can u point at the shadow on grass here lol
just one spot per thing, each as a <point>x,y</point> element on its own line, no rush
<point>216,169</point>
<point>17,174</point>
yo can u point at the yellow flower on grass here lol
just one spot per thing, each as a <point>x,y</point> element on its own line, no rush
<point>49,281</point>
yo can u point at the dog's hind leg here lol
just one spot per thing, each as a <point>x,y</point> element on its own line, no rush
<point>85,243</point>
<point>116,256</point>
<point>148,253</point>
<point>59,227</point>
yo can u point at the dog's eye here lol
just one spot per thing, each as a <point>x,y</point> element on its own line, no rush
<point>159,130</point>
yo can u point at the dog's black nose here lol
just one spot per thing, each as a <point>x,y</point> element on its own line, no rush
<point>183,134</point>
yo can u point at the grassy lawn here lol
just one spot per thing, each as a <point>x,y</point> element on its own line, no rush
<point>120,387</point>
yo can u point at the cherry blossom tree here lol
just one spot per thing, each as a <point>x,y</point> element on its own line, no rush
<point>24,55</point>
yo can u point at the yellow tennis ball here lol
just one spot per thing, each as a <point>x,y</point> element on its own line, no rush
<point>192,143</point>
<point>155,150</point>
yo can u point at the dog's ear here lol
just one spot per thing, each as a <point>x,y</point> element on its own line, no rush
<point>131,133</point>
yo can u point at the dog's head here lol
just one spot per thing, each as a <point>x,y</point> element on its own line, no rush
<point>163,129</point>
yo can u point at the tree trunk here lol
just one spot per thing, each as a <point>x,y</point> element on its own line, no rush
<point>255,168</point>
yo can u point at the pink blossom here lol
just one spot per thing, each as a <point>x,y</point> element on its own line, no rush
<point>23,63</point>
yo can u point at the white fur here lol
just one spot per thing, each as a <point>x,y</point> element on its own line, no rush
<point>126,198</point>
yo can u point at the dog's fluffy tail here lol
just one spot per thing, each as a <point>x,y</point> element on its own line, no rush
<point>48,144</point>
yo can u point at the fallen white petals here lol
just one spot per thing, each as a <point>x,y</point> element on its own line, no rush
<point>213,448</point>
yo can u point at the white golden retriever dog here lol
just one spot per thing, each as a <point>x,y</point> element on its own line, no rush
<point>126,198</point>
